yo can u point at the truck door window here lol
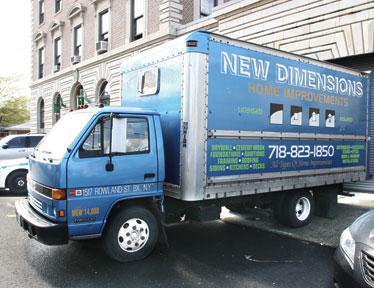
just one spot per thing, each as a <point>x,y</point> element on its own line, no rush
<point>314,117</point>
<point>130,135</point>
<point>296,115</point>
<point>97,142</point>
<point>276,113</point>
<point>330,118</point>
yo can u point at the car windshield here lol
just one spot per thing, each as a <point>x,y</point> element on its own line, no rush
<point>54,145</point>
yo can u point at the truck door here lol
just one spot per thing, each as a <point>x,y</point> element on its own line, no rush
<point>95,182</point>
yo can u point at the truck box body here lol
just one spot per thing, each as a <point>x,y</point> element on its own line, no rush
<point>240,119</point>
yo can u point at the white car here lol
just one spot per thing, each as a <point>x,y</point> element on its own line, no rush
<point>18,146</point>
<point>13,175</point>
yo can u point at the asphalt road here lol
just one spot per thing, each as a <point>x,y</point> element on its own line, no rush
<point>214,254</point>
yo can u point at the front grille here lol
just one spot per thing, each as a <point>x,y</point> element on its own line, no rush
<point>36,203</point>
<point>41,189</point>
<point>368,268</point>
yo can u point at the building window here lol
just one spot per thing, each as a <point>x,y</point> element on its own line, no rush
<point>206,7</point>
<point>57,5</point>
<point>40,62</point>
<point>137,24</point>
<point>41,116</point>
<point>78,43</point>
<point>104,25</point>
<point>57,104</point>
<point>57,54</point>
<point>104,96</point>
<point>41,11</point>
<point>78,98</point>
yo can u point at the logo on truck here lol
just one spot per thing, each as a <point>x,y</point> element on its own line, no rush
<point>251,67</point>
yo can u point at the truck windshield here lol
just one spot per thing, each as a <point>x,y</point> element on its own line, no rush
<point>54,145</point>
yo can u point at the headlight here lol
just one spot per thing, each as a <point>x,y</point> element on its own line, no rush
<point>348,245</point>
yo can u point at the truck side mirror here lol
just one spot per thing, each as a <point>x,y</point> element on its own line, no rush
<point>5,146</point>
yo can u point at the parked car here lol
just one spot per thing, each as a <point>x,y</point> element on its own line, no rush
<point>354,258</point>
<point>13,175</point>
<point>18,146</point>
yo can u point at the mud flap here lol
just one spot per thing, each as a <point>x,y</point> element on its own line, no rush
<point>326,201</point>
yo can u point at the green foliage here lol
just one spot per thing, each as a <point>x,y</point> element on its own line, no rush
<point>14,111</point>
<point>14,107</point>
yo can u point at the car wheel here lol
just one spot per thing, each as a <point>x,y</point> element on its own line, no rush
<point>16,182</point>
<point>297,209</point>
<point>131,235</point>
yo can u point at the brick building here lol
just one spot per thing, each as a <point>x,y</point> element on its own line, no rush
<point>78,45</point>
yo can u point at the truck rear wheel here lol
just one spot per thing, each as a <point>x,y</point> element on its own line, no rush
<point>296,209</point>
<point>131,235</point>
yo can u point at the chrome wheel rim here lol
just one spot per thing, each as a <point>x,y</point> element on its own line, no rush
<point>302,208</point>
<point>20,183</point>
<point>133,235</point>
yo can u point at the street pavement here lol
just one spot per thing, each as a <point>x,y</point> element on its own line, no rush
<point>214,254</point>
<point>322,231</point>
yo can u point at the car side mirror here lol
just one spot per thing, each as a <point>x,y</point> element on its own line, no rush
<point>5,146</point>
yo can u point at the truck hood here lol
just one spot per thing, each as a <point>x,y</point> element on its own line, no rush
<point>362,229</point>
<point>48,174</point>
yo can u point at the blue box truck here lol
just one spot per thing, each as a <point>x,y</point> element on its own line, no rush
<point>205,122</point>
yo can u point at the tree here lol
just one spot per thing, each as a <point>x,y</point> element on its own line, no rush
<point>14,111</point>
<point>13,105</point>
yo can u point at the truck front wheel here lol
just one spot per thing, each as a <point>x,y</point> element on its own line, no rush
<point>131,234</point>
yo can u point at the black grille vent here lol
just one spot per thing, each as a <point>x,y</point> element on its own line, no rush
<point>368,268</point>
<point>42,189</point>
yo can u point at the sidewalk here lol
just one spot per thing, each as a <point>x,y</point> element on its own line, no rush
<point>323,231</point>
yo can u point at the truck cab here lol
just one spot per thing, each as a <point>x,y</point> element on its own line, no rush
<point>83,171</point>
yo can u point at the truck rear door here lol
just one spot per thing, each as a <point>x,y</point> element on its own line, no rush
<point>93,187</point>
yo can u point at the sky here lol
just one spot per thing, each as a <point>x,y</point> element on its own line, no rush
<point>15,31</point>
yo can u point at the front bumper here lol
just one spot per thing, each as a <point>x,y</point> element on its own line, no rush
<point>38,227</point>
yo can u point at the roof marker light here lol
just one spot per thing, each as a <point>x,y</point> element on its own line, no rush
<point>191,43</point>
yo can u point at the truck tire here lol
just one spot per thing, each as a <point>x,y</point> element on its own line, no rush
<point>16,182</point>
<point>298,209</point>
<point>131,234</point>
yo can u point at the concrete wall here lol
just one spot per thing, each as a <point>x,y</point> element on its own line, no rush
<point>323,29</point>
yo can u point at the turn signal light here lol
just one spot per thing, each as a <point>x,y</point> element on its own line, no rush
<point>61,213</point>
<point>58,194</point>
